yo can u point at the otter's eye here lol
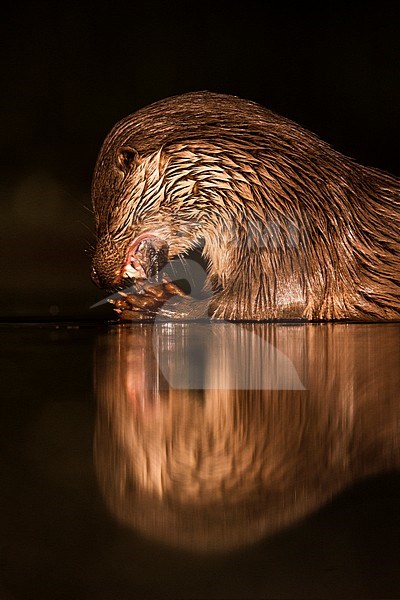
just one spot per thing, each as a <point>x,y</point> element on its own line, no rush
<point>127,157</point>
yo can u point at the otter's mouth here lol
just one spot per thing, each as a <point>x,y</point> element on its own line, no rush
<point>146,255</point>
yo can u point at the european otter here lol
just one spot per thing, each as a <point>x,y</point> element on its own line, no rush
<point>290,228</point>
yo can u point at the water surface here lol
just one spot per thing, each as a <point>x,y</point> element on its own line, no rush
<point>200,461</point>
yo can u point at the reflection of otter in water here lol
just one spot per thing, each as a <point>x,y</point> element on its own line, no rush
<point>289,227</point>
<point>217,468</point>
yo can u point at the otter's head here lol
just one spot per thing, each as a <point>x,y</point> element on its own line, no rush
<point>137,197</point>
<point>181,192</point>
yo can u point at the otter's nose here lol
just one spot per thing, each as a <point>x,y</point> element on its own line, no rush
<point>106,278</point>
<point>107,262</point>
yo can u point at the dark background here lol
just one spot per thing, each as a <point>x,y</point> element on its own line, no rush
<point>70,72</point>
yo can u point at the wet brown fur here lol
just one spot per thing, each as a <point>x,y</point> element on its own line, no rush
<point>291,228</point>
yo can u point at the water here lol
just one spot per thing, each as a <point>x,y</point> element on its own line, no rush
<point>199,461</point>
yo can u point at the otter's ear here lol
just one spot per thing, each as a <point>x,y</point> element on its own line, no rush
<point>127,157</point>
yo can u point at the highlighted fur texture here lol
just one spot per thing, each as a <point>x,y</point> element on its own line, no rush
<point>289,227</point>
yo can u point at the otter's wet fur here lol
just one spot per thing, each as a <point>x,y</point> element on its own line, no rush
<point>290,227</point>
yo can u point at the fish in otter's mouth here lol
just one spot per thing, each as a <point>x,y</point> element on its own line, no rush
<point>144,287</point>
<point>146,256</point>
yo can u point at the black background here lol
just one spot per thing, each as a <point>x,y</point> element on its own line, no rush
<point>71,71</point>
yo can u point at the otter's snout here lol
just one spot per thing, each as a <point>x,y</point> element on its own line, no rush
<point>106,278</point>
<point>141,259</point>
<point>107,265</point>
